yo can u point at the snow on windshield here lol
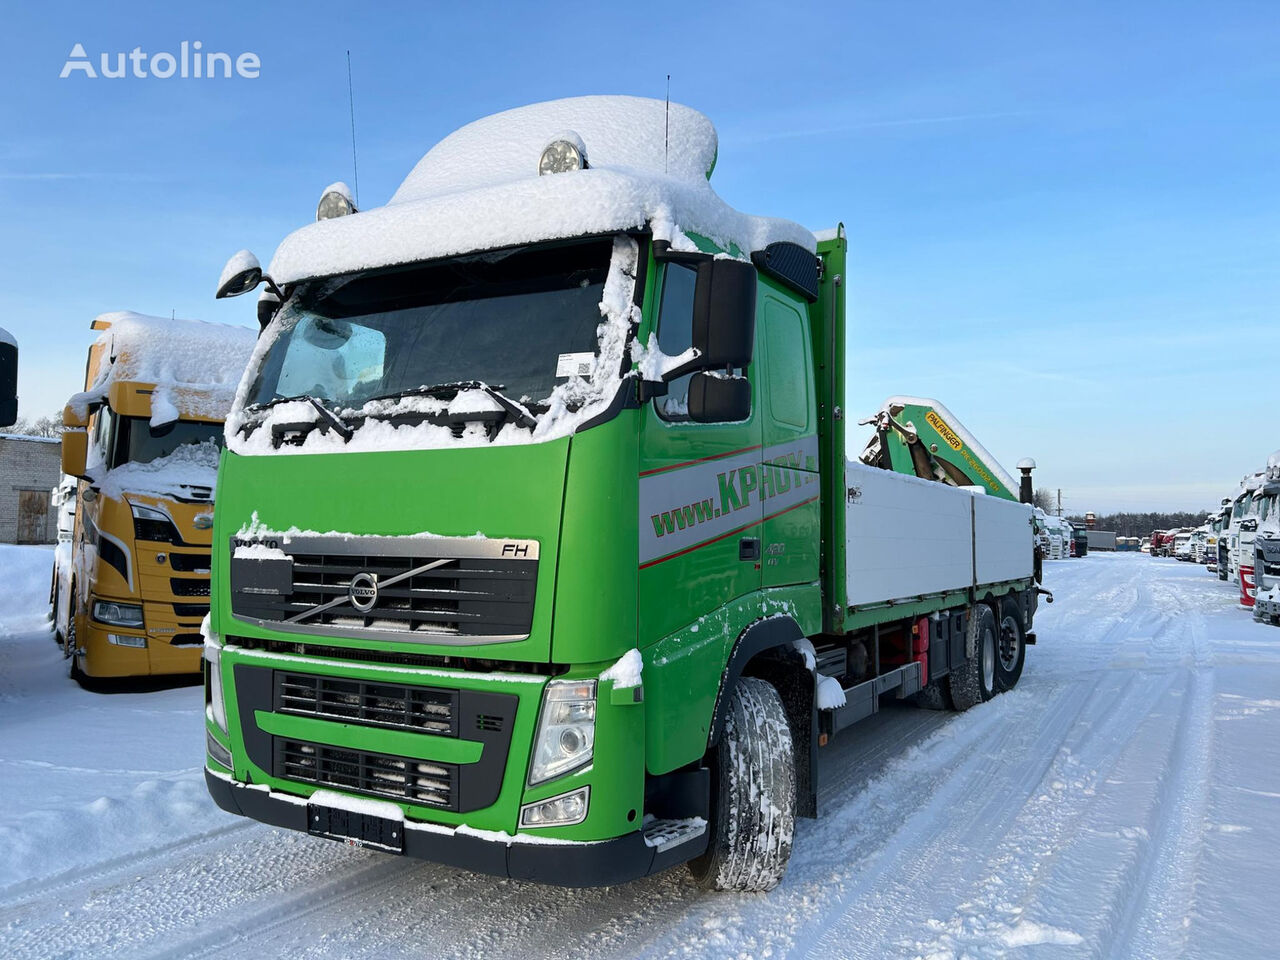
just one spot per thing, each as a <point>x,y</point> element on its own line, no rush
<point>575,399</point>
<point>190,465</point>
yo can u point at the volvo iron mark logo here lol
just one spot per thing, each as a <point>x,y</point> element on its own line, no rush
<point>202,521</point>
<point>363,591</point>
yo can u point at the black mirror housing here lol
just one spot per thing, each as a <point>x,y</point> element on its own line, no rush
<point>724,313</point>
<point>716,398</point>
<point>8,383</point>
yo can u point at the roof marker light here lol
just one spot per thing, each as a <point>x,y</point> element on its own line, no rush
<point>336,201</point>
<point>563,153</point>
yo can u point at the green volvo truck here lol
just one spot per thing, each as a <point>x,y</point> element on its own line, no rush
<point>538,551</point>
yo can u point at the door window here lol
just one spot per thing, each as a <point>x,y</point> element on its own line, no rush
<point>675,336</point>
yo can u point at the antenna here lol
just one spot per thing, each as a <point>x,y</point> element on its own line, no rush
<point>666,129</point>
<point>351,101</point>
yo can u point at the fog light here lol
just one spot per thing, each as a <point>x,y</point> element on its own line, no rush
<point>217,751</point>
<point>562,811</point>
<point>122,640</point>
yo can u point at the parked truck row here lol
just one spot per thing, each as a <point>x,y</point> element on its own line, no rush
<point>1240,541</point>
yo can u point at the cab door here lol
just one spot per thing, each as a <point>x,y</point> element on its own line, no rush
<point>699,487</point>
<point>789,487</point>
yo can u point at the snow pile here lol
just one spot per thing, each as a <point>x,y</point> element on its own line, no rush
<point>571,403</point>
<point>830,694</point>
<point>194,365</point>
<point>191,465</point>
<point>479,189</point>
<point>652,364</point>
<point>615,132</point>
<point>626,672</point>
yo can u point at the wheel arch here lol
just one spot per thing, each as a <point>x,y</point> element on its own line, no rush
<point>767,650</point>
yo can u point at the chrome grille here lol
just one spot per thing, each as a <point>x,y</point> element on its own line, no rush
<point>434,590</point>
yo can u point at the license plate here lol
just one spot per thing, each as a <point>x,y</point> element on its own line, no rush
<point>356,829</point>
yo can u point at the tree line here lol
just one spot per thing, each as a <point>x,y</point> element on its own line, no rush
<point>40,427</point>
<point>1141,524</point>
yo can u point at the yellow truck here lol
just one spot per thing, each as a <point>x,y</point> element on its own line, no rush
<point>143,440</point>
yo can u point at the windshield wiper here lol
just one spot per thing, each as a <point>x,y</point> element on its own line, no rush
<point>331,420</point>
<point>341,426</point>
<point>448,391</point>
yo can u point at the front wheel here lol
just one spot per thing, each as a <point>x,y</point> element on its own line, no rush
<point>754,795</point>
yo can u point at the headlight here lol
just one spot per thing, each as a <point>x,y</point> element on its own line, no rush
<point>215,707</point>
<point>117,614</point>
<point>566,731</point>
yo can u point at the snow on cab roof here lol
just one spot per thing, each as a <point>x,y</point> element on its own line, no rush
<point>195,365</point>
<point>479,189</point>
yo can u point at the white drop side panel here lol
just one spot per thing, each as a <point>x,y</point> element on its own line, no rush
<point>1004,539</point>
<point>905,537</point>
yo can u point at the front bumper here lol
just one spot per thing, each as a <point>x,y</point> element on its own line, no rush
<point>565,864</point>
<point>1267,606</point>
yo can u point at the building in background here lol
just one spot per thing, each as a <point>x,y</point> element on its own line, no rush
<point>30,467</point>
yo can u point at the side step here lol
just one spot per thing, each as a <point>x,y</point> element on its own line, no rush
<point>665,834</point>
<point>863,699</point>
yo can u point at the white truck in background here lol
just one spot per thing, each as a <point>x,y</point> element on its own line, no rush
<point>1266,547</point>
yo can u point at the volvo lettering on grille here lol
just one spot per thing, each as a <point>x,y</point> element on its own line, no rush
<point>363,591</point>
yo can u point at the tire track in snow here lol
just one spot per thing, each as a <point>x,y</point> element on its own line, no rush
<point>938,864</point>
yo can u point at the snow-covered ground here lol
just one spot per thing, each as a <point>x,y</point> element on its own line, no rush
<point>1124,801</point>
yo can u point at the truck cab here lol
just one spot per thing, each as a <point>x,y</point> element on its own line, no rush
<point>143,449</point>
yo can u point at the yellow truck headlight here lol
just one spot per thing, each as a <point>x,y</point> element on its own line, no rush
<point>117,614</point>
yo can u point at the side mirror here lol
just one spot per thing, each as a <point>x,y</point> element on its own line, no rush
<point>1248,526</point>
<point>724,313</point>
<point>75,451</point>
<point>268,307</point>
<point>8,379</point>
<point>715,398</point>
<point>241,274</point>
<point>75,417</point>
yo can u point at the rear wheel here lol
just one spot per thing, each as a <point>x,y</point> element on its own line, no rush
<point>754,795</point>
<point>975,681</point>
<point>1011,650</point>
<point>935,696</point>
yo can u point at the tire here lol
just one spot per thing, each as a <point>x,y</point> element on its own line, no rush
<point>975,681</point>
<point>1011,647</point>
<point>69,648</point>
<point>753,795</point>
<point>935,696</point>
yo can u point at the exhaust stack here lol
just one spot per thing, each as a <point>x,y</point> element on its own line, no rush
<point>1025,466</point>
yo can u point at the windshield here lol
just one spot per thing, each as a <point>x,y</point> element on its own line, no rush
<point>520,320</point>
<point>137,441</point>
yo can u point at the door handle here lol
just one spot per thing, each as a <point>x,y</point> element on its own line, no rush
<point>749,548</point>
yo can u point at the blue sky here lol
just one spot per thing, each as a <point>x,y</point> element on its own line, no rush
<point>1063,218</point>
